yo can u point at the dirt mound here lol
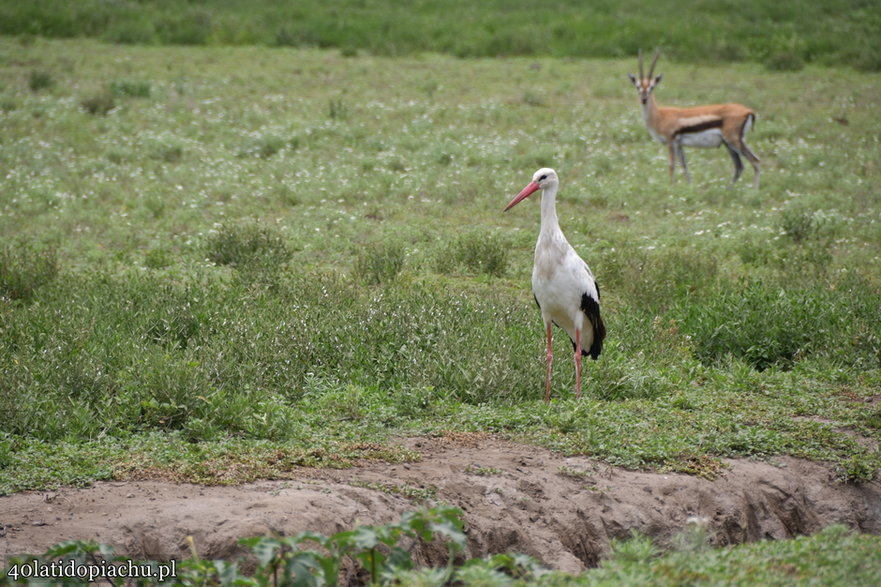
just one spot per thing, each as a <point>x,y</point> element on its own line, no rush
<point>562,510</point>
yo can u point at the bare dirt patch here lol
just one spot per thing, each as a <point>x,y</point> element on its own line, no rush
<point>515,498</point>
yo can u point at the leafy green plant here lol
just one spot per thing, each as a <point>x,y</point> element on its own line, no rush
<point>40,80</point>
<point>785,52</point>
<point>336,109</point>
<point>158,258</point>
<point>499,569</point>
<point>762,325</point>
<point>24,267</point>
<point>375,549</point>
<point>476,252</point>
<point>639,548</point>
<point>130,88</point>
<point>283,560</point>
<point>168,150</point>
<point>408,491</point>
<point>694,537</point>
<point>380,262</point>
<point>476,469</point>
<point>653,279</point>
<point>799,225</point>
<point>248,245</point>
<point>532,98</point>
<point>574,473</point>
<point>860,468</point>
<point>619,379</point>
<point>99,104</point>
<point>5,450</point>
<point>265,146</point>
<point>863,59</point>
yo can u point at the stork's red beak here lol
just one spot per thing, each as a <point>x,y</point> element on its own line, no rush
<point>524,193</point>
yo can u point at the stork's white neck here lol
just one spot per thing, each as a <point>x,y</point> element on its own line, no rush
<point>549,223</point>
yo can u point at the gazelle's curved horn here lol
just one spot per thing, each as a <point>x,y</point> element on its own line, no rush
<point>640,64</point>
<point>654,61</point>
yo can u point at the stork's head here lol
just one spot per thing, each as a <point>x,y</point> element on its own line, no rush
<point>542,179</point>
<point>646,83</point>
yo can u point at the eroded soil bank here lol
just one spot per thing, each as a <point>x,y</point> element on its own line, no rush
<point>515,498</point>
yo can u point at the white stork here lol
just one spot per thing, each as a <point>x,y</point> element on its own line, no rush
<point>564,287</point>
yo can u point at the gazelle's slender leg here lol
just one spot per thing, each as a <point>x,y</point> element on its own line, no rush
<point>681,152</point>
<point>746,151</point>
<point>754,161</point>
<point>738,164</point>
<point>671,151</point>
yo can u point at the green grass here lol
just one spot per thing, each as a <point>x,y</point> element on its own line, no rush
<point>834,556</point>
<point>223,266</point>
<point>831,557</point>
<point>783,35</point>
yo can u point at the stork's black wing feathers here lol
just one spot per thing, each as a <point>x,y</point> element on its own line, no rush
<point>591,309</point>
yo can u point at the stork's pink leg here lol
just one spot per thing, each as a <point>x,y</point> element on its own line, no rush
<point>550,360</point>
<point>577,364</point>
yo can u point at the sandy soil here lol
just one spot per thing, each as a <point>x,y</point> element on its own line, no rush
<point>515,499</point>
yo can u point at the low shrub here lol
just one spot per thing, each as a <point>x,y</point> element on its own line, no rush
<point>167,150</point>
<point>799,225</point>
<point>655,280</point>
<point>785,51</point>
<point>379,262</point>
<point>99,104</point>
<point>763,325</point>
<point>785,60</point>
<point>248,245</point>
<point>475,252</point>
<point>40,80</point>
<point>130,88</point>
<point>616,379</point>
<point>24,267</point>
<point>265,146</point>
<point>337,110</point>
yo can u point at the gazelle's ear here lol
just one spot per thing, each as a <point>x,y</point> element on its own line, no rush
<point>658,78</point>
<point>632,78</point>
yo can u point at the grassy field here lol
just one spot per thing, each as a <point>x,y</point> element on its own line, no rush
<point>783,35</point>
<point>213,254</point>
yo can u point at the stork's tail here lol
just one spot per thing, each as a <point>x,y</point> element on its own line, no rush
<point>591,309</point>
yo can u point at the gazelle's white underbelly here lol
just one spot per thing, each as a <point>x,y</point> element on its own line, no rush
<point>709,138</point>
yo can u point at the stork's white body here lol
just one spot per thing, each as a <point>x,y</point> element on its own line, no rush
<point>559,276</point>
<point>564,287</point>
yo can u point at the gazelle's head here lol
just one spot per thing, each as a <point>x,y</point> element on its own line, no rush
<point>646,83</point>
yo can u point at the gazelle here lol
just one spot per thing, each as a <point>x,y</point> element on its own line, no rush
<point>701,126</point>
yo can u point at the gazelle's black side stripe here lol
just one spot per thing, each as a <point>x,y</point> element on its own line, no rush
<point>700,127</point>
